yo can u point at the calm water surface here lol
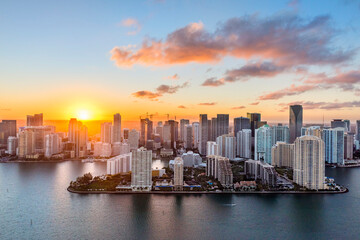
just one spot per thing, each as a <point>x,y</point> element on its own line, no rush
<point>36,192</point>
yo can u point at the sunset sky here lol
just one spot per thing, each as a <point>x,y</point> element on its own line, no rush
<point>91,59</point>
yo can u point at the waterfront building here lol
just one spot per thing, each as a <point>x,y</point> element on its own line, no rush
<point>188,138</point>
<point>119,164</point>
<point>141,169</point>
<point>26,143</point>
<point>106,129</point>
<point>295,121</point>
<point>263,144</point>
<point>220,168</point>
<point>116,129</point>
<point>241,123</point>
<point>282,155</point>
<point>183,123</point>
<point>196,134</point>
<point>243,143</point>
<point>260,170</point>
<point>7,129</point>
<point>309,164</point>
<point>52,144</point>
<point>178,174</point>
<point>12,144</point>
<point>348,145</point>
<point>212,148</point>
<point>35,120</point>
<point>203,136</point>
<point>134,139</point>
<point>334,145</point>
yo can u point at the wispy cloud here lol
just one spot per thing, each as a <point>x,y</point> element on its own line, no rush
<point>159,92</point>
<point>322,105</point>
<point>239,107</point>
<point>213,82</point>
<point>207,104</point>
<point>182,106</point>
<point>173,77</point>
<point>254,103</point>
<point>133,24</point>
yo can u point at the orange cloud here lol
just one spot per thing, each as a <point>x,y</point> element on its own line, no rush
<point>182,106</point>
<point>288,39</point>
<point>160,91</point>
<point>207,104</point>
<point>240,107</point>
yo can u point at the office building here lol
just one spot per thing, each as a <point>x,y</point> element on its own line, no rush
<point>106,130</point>
<point>120,148</point>
<point>339,123</point>
<point>141,170</point>
<point>357,129</point>
<point>222,125</point>
<point>255,119</point>
<point>35,120</point>
<point>167,136</point>
<point>191,159</point>
<point>134,139</point>
<point>196,134</point>
<point>188,138</point>
<point>309,164</point>
<point>213,128</point>
<point>174,132</point>
<point>295,121</point>
<point>212,148</point>
<point>282,155</point>
<point>312,130</point>
<point>126,133</point>
<point>116,129</point>
<point>348,125</point>
<point>183,122</point>
<point>226,146</point>
<point>243,143</point>
<point>78,135</point>
<point>203,137</point>
<point>280,134</point>
<point>178,174</point>
<point>146,130</point>
<point>119,164</point>
<point>263,144</point>
<point>241,123</point>
<point>348,146</point>
<point>7,129</point>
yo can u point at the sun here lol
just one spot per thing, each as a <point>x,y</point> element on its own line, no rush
<point>83,115</point>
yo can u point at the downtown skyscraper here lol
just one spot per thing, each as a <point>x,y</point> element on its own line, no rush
<point>116,129</point>
<point>203,129</point>
<point>295,121</point>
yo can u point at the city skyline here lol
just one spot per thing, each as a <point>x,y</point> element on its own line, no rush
<point>157,59</point>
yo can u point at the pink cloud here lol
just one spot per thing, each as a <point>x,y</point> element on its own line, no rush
<point>207,104</point>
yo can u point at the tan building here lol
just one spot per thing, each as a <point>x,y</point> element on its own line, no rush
<point>282,155</point>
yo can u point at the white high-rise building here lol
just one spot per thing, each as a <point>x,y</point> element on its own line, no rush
<point>116,129</point>
<point>191,159</point>
<point>226,146</point>
<point>263,144</point>
<point>219,168</point>
<point>196,134</point>
<point>243,143</point>
<point>52,144</point>
<point>280,133</point>
<point>141,172</point>
<point>282,155</point>
<point>178,173</point>
<point>134,139</point>
<point>334,145</point>
<point>119,164</point>
<point>212,148</point>
<point>120,148</point>
<point>309,164</point>
<point>12,143</point>
<point>106,128</point>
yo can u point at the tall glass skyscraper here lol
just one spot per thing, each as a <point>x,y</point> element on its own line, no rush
<point>295,121</point>
<point>241,123</point>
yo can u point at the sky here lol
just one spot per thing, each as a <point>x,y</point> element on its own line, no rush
<point>91,59</point>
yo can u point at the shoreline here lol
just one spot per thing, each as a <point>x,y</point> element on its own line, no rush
<point>204,192</point>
